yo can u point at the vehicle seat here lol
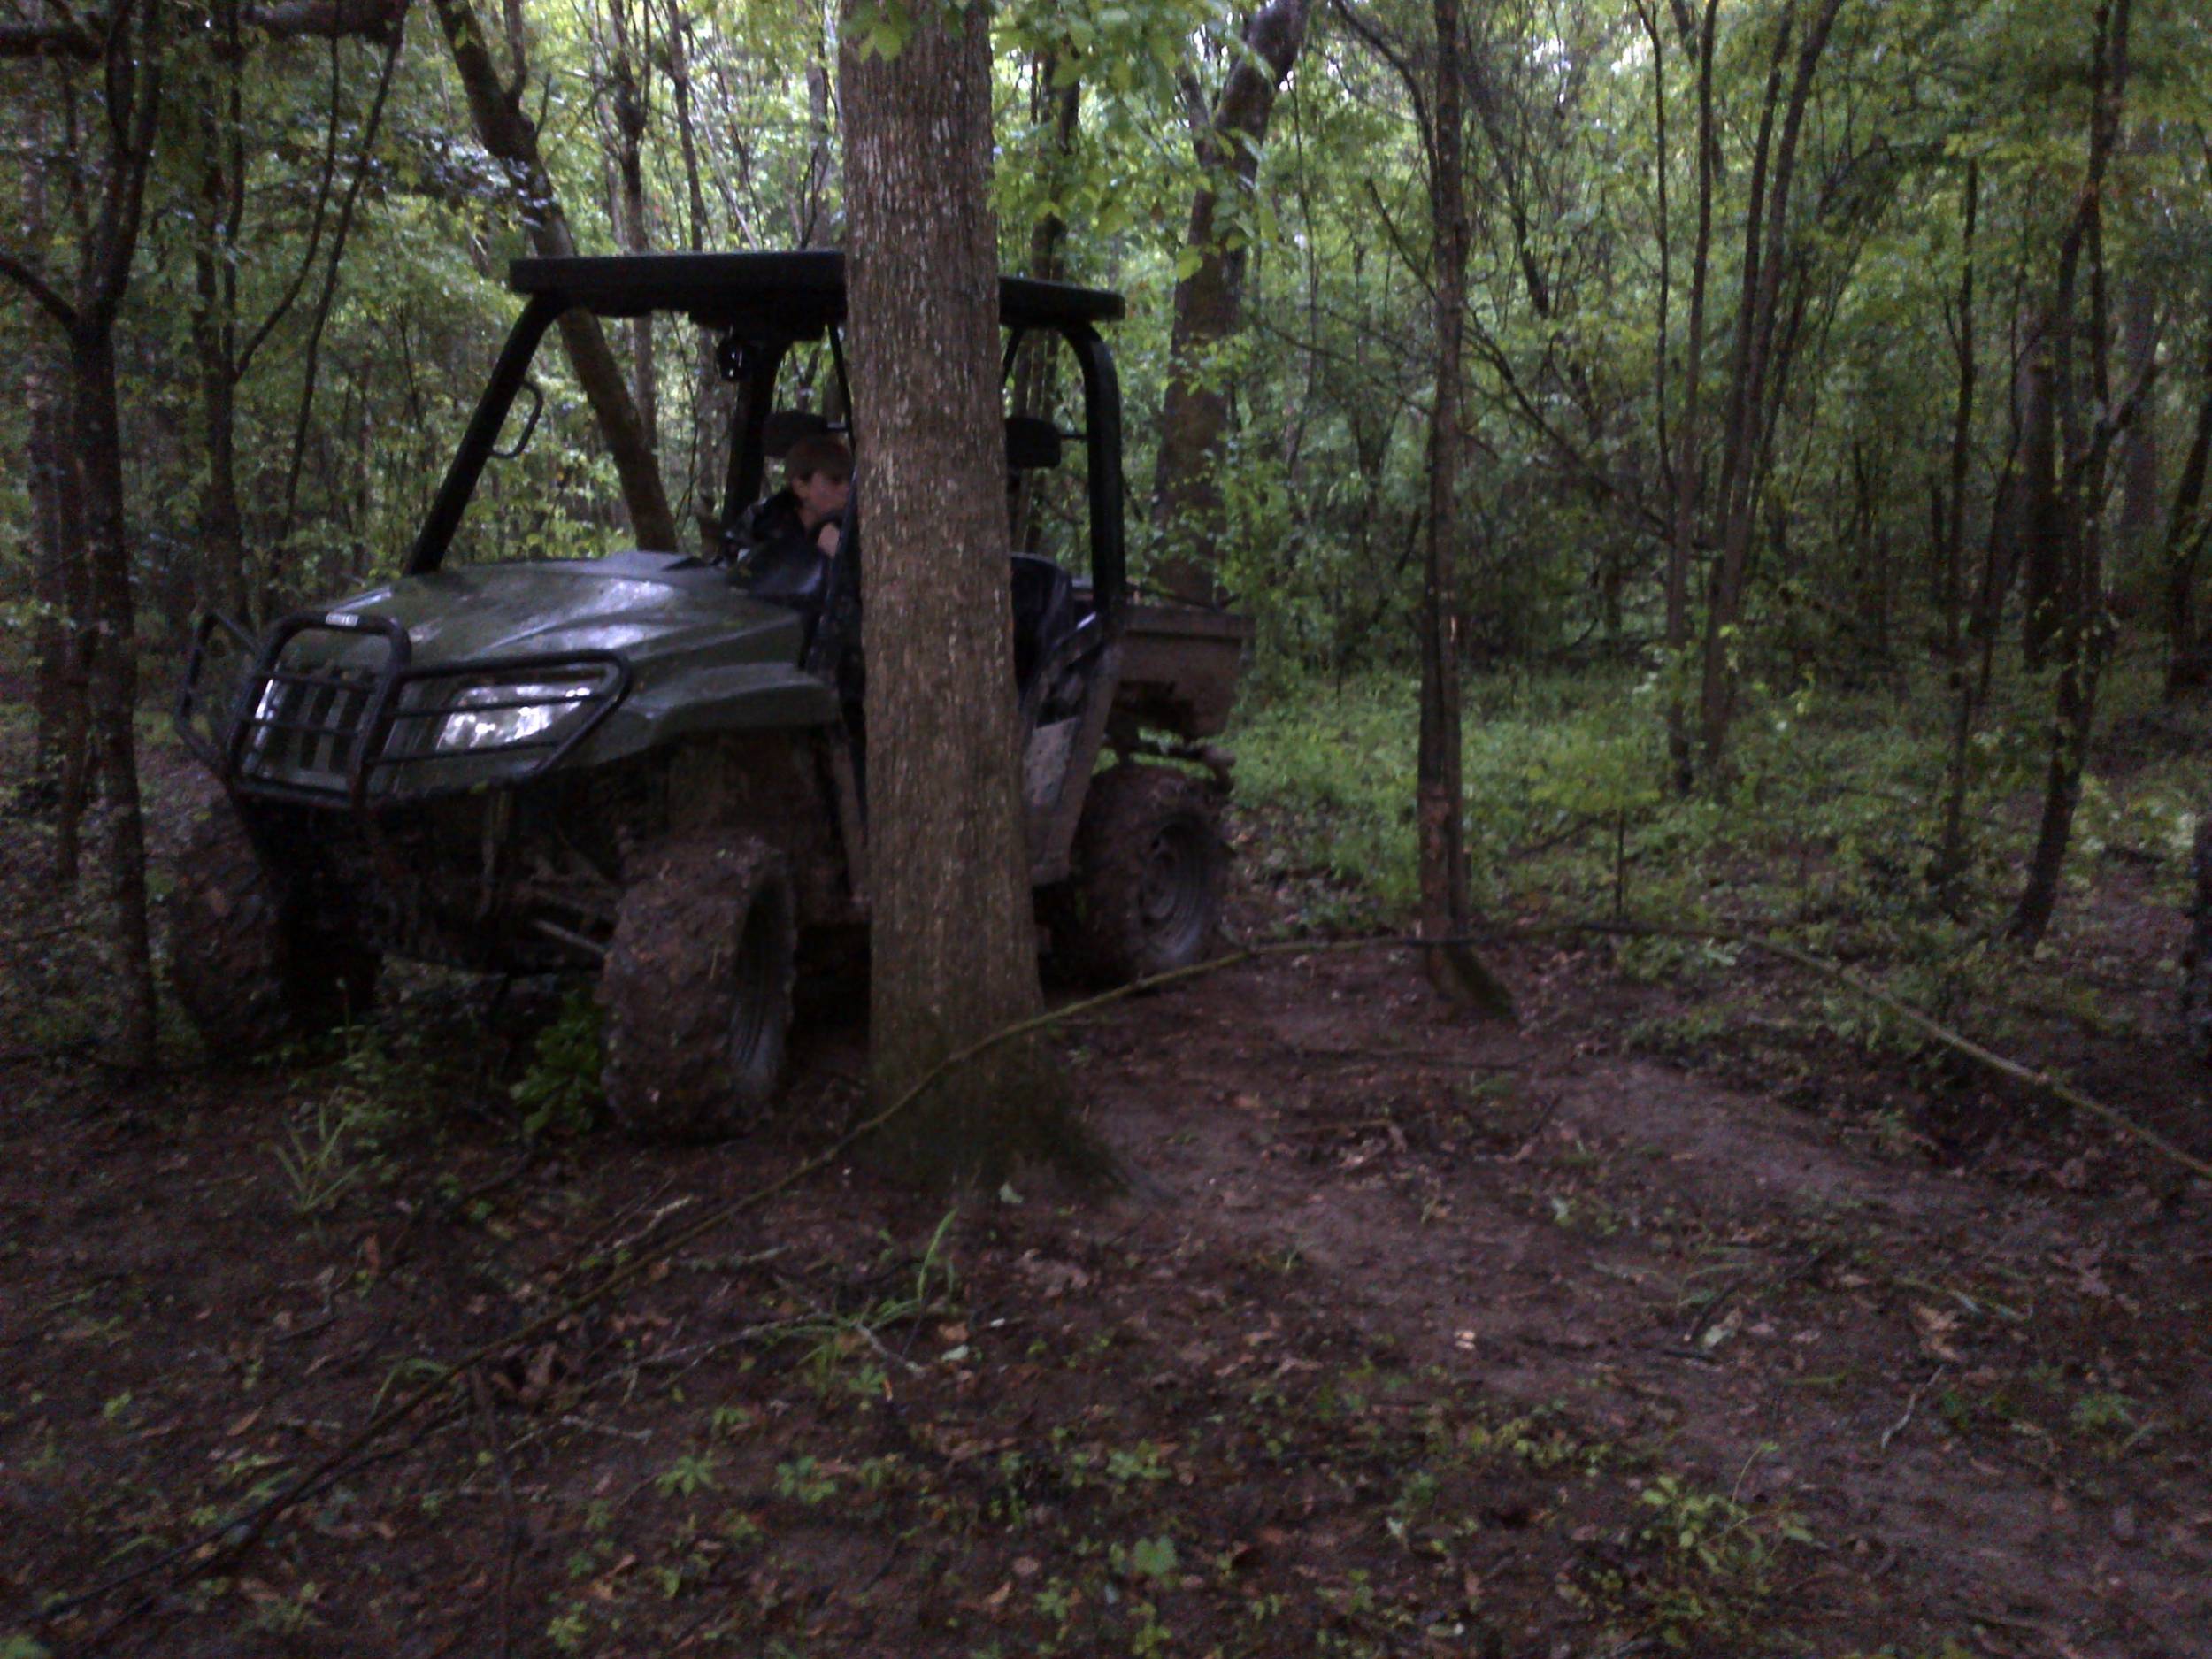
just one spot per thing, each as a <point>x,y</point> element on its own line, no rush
<point>1045,614</point>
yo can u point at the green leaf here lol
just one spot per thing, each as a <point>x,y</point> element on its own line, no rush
<point>1154,1557</point>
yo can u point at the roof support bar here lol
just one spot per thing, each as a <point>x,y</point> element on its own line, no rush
<point>452,500</point>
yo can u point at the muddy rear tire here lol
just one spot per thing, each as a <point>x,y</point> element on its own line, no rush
<point>697,989</point>
<point>242,960</point>
<point>1144,893</point>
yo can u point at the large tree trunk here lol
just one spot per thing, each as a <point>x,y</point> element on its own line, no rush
<point>1187,503</point>
<point>953,936</point>
<point>510,138</point>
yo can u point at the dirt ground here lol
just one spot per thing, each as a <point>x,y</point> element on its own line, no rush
<point>1414,1335</point>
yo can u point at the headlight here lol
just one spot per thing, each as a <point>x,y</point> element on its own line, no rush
<point>270,708</point>
<point>498,717</point>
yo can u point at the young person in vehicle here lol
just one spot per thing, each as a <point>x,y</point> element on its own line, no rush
<point>806,511</point>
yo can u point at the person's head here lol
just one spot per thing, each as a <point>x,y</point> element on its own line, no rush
<point>818,469</point>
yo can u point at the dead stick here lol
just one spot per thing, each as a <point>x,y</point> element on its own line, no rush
<point>1911,1405</point>
<point>1960,1045</point>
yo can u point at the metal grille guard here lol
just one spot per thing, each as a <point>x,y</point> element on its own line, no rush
<point>340,722</point>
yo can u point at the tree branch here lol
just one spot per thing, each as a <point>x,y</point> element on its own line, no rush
<point>289,19</point>
<point>36,287</point>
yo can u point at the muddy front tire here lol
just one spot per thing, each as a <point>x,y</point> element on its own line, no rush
<point>1145,894</point>
<point>242,960</point>
<point>697,989</point>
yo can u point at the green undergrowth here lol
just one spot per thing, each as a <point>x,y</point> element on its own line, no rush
<point>1827,834</point>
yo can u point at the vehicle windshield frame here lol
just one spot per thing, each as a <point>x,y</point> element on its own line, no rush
<point>781,300</point>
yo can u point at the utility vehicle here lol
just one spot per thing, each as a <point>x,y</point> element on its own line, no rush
<point>650,765</point>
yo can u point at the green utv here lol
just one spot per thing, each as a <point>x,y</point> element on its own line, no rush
<point>651,766</point>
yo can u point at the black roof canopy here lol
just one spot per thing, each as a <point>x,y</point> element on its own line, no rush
<point>800,293</point>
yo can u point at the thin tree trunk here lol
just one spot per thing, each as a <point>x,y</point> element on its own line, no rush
<point>115,684</point>
<point>631,107</point>
<point>510,139</point>
<point>713,396</point>
<point>1689,462</point>
<point>953,937</point>
<point>321,319</point>
<point>2081,631</point>
<point>2188,664</point>
<point>136,53</point>
<point>222,552</point>
<point>1765,238</point>
<point>810,205</point>
<point>1037,376</point>
<point>2138,522</point>
<point>1951,852</point>
<point>56,574</point>
<point>1186,500</point>
<point>1439,798</point>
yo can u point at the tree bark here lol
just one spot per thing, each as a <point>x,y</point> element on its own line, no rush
<point>1037,375</point>
<point>222,551</point>
<point>2188,663</point>
<point>1690,458</point>
<point>630,108</point>
<point>319,319</point>
<point>2138,458</point>
<point>136,48</point>
<point>953,937</point>
<point>1439,798</point>
<point>1951,852</point>
<point>510,139</point>
<point>56,574</point>
<point>713,398</point>
<point>2080,630</point>
<point>1766,229</point>
<point>114,683</point>
<point>1187,501</point>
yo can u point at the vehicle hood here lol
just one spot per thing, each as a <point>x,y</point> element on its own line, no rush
<point>653,608</point>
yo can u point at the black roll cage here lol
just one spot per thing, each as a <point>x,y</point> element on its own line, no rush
<point>762,304</point>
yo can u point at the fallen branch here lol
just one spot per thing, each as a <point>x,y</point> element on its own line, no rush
<point>1912,1404</point>
<point>1987,1058</point>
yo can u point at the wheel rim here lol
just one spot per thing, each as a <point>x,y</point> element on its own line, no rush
<point>1174,898</point>
<point>754,1027</point>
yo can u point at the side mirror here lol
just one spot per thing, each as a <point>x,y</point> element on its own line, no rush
<point>529,423</point>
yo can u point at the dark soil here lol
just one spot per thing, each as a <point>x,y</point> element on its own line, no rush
<point>1415,1335</point>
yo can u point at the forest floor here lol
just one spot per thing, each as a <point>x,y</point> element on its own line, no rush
<point>1661,1320</point>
